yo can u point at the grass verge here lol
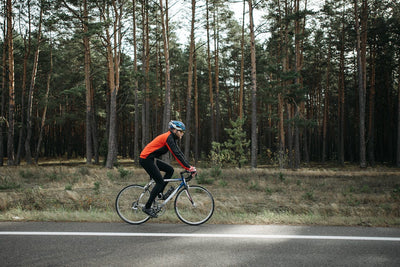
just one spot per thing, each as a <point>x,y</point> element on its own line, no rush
<point>323,196</point>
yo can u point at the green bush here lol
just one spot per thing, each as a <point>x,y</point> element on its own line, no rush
<point>53,176</point>
<point>110,175</point>
<point>233,151</point>
<point>281,177</point>
<point>215,172</point>
<point>84,170</point>
<point>123,173</point>
<point>254,186</point>
<point>309,196</point>
<point>29,174</point>
<point>96,187</point>
<point>203,178</point>
<point>223,183</point>
<point>5,184</point>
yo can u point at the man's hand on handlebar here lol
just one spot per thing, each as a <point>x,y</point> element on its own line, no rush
<point>193,170</point>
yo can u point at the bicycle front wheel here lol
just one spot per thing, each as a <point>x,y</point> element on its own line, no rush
<point>129,204</point>
<point>194,205</point>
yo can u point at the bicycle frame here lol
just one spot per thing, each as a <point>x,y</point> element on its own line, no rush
<point>183,183</point>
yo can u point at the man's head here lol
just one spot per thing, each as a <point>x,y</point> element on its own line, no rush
<point>177,127</point>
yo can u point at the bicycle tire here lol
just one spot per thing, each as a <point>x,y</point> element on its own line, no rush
<point>129,203</point>
<point>197,212</point>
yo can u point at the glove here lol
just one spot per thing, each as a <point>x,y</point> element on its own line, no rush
<point>193,170</point>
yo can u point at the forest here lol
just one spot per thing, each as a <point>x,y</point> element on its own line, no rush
<point>270,82</point>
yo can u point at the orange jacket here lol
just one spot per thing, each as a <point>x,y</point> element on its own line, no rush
<point>160,145</point>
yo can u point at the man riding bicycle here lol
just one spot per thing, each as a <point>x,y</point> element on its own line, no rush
<point>149,160</point>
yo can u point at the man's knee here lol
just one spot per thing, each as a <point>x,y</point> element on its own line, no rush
<point>169,172</point>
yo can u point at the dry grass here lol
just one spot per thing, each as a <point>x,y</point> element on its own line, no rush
<point>263,196</point>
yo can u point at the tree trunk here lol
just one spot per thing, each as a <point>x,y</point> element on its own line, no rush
<point>398,120</point>
<point>167,105</point>
<point>112,139</point>
<point>371,124</point>
<point>341,96</point>
<point>242,64</point>
<point>281,131</point>
<point>147,127</point>
<point>11,86</point>
<point>89,105</point>
<point>297,156</point>
<point>210,85</point>
<point>299,33</point>
<point>113,59</point>
<point>253,90</point>
<point>3,93</point>
<point>290,134</point>
<point>361,63</point>
<point>136,134</point>
<point>326,104</point>
<point>280,57</point>
<point>216,60</point>
<point>196,110</point>
<point>28,155</point>
<point>27,45</point>
<point>94,130</point>
<point>190,82</point>
<point>143,87</point>
<point>42,124</point>
<point>165,29</point>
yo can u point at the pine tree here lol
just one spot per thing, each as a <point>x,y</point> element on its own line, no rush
<point>238,145</point>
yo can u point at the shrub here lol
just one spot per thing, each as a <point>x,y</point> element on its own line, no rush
<point>96,187</point>
<point>29,174</point>
<point>223,183</point>
<point>123,173</point>
<point>215,172</point>
<point>281,177</point>
<point>203,178</point>
<point>6,184</point>
<point>309,196</point>
<point>54,176</point>
<point>84,171</point>
<point>235,149</point>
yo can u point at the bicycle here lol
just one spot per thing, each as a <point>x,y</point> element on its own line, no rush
<point>194,204</point>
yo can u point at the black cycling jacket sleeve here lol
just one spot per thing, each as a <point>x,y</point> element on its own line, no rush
<point>176,152</point>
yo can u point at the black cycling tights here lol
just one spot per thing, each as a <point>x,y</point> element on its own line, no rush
<point>153,168</point>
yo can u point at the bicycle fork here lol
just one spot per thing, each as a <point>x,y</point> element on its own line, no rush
<point>189,196</point>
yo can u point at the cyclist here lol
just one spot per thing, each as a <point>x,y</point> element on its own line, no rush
<point>149,160</point>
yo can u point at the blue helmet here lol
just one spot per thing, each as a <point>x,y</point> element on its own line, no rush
<point>177,125</point>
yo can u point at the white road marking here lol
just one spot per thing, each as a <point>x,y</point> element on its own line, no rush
<point>238,236</point>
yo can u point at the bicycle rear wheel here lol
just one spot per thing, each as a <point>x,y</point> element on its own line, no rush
<point>194,205</point>
<point>129,204</point>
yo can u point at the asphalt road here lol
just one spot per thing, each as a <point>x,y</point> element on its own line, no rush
<point>120,244</point>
